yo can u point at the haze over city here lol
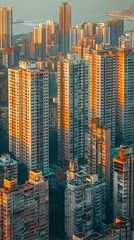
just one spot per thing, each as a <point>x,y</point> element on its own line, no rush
<point>48,9</point>
<point>66,120</point>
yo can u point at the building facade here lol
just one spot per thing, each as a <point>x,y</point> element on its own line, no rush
<point>64,27</point>
<point>24,209</point>
<point>99,151</point>
<point>8,168</point>
<point>116,30</point>
<point>29,115</point>
<point>125,96</point>
<point>124,183</point>
<point>85,199</point>
<point>5,27</point>
<point>72,105</point>
<point>102,88</point>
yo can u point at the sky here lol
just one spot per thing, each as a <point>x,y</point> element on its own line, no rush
<point>48,9</point>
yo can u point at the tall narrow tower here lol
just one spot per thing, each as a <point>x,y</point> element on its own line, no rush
<point>102,88</point>
<point>125,96</point>
<point>64,27</point>
<point>5,27</point>
<point>29,115</point>
<point>73,109</point>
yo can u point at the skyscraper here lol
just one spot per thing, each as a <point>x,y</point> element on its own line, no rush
<point>64,27</point>
<point>38,46</point>
<point>102,88</point>
<point>125,96</point>
<point>52,35</point>
<point>124,183</point>
<point>116,30</point>
<point>5,27</point>
<point>24,208</point>
<point>29,115</point>
<point>72,104</point>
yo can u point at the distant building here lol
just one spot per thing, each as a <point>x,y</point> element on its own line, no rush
<point>8,168</point>
<point>116,30</point>
<point>85,201</point>
<point>123,194</point>
<point>52,38</point>
<point>24,209</point>
<point>5,27</point>
<point>64,27</point>
<point>103,32</point>
<point>8,55</point>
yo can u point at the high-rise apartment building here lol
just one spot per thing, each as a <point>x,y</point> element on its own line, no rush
<point>39,34</point>
<point>124,183</point>
<point>52,35</point>
<point>24,208</point>
<point>38,46</point>
<point>102,88</point>
<point>99,151</point>
<point>85,200</point>
<point>103,32</point>
<point>125,96</point>
<point>73,37</point>
<point>72,104</point>
<point>116,30</point>
<point>5,27</point>
<point>64,27</point>
<point>7,56</point>
<point>8,168</point>
<point>29,115</point>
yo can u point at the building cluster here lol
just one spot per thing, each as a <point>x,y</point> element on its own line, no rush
<point>80,80</point>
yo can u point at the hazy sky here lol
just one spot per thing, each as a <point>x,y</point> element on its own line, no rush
<point>48,9</point>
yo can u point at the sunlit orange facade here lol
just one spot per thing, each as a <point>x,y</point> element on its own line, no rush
<point>102,88</point>
<point>99,144</point>
<point>28,115</point>
<point>125,96</point>
<point>24,208</point>
<point>72,106</point>
<point>64,26</point>
<point>5,27</point>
